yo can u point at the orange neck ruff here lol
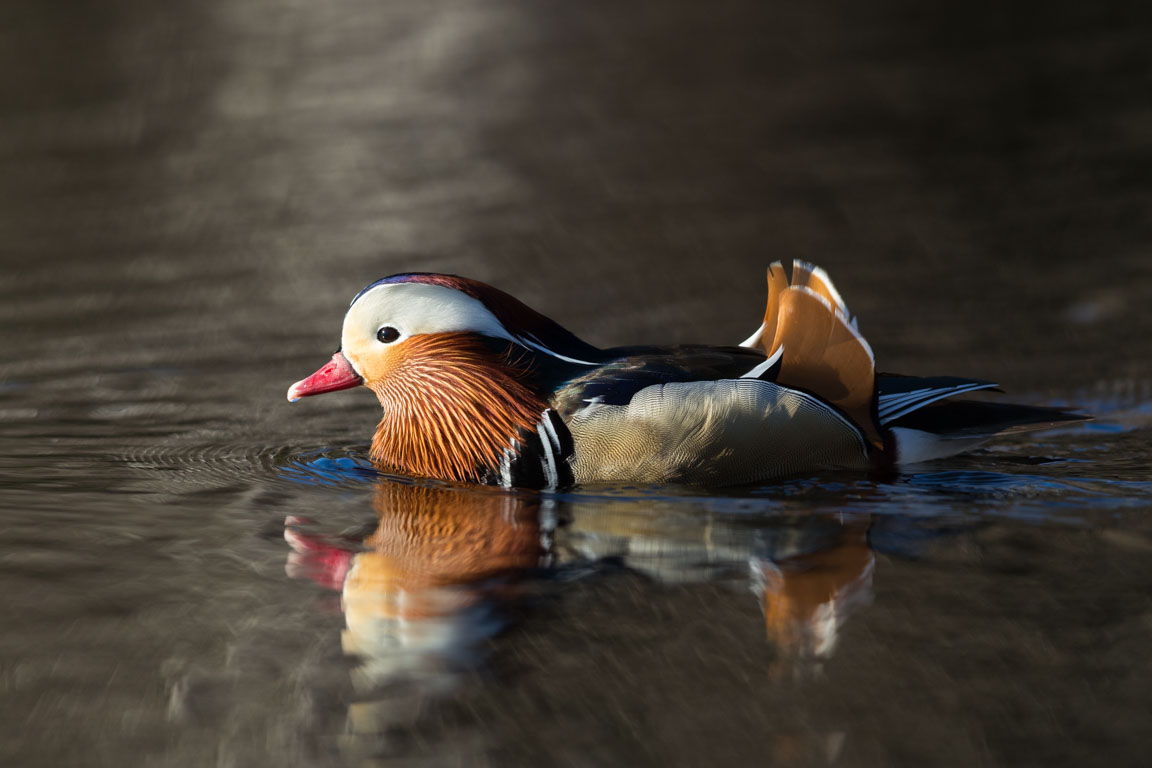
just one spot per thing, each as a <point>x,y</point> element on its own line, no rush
<point>451,407</point>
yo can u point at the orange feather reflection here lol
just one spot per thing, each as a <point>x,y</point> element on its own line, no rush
<point>422,599</point>
<point>431,542</point>
<point>807,598</point>
<point>809,573</point>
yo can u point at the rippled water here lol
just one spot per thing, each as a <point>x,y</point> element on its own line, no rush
<point>194,572</point>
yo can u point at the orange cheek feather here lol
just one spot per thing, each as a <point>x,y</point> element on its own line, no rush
<point>450,405</point>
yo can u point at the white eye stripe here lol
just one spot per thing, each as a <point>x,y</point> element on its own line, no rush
<point>418,308</point>
<point>541,348</point>
<point>421,308</point>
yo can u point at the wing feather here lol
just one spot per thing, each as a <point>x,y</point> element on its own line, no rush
<point>892,407</point>
<point>722,432</point>
<point>824,353</point>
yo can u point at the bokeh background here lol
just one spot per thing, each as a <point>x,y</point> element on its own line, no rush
<point>190,193</point>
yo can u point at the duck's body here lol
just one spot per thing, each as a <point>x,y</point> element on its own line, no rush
<point>477,387</point>
<point>698,415</point>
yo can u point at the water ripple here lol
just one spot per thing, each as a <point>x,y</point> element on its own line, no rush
<point>233,463</point>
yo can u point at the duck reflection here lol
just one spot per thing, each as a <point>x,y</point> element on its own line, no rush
<point>809,572</point>
<point>427,590</point>
<point>427,593</point>
<point>807,597</point>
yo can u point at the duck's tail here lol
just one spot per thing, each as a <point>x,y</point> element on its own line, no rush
<point>925,424</point>
<point>824,352</point>
<point>950,427</point>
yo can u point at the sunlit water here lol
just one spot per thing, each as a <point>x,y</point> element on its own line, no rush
<point>194,572</point>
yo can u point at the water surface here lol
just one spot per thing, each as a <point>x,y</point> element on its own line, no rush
<point>194,572</point>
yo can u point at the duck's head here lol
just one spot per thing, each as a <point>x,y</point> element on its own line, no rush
<point>393,318</point>
<point>457,365</point>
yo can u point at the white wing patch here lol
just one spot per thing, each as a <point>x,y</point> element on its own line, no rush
<point>763,367</point>
<point>893,406</point>
<point>754,339</point>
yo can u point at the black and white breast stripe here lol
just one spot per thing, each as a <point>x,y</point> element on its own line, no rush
<point>539,458</point>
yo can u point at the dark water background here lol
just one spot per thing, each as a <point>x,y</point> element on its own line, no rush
<point>190,192</point>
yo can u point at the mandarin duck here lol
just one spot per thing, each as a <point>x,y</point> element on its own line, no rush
<point>476,386</point>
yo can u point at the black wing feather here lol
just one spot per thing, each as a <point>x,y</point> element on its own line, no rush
<point>971,418</point>
<point>898,396</point>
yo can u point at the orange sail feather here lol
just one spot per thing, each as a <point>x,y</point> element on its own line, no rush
<point>823,352</point>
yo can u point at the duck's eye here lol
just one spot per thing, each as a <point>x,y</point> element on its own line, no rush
<point>387,334</point>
